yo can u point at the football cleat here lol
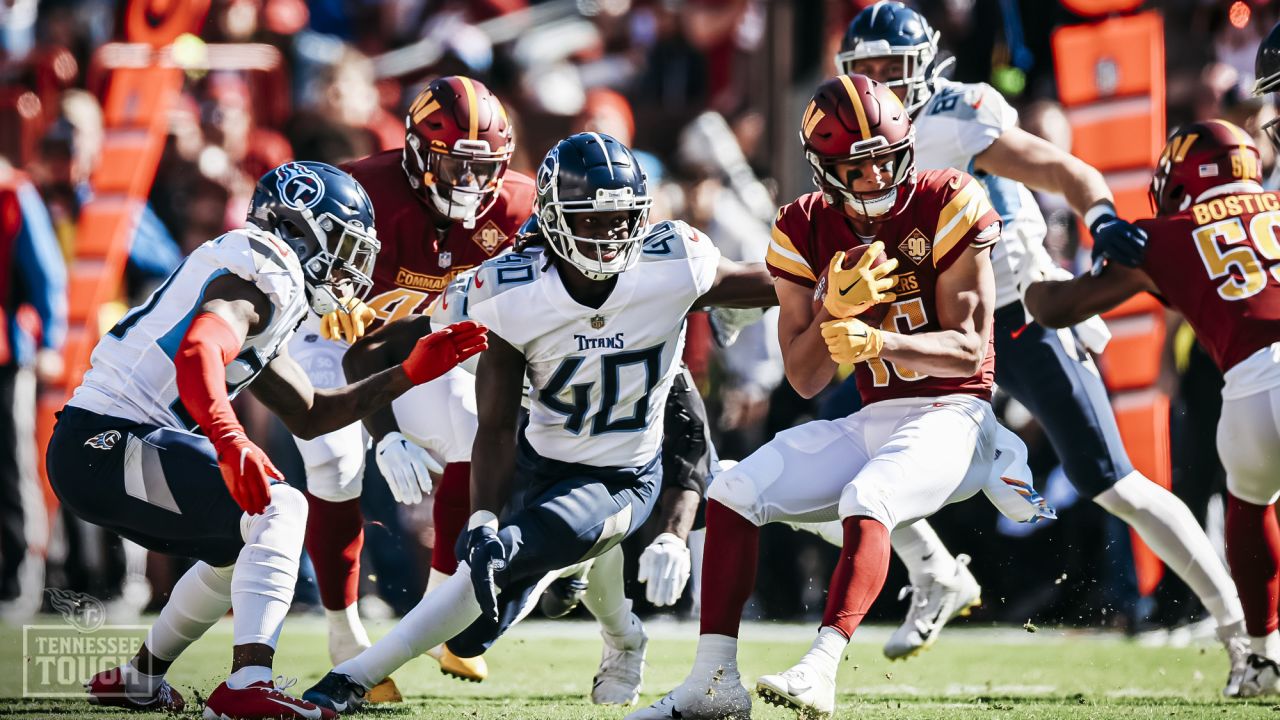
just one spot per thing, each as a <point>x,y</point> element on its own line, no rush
<point>108,689</point>
<point>1261,677</point>
<point>1238,654</point>
<point>714,696</point>
<point>933,604</point>
<point>802,688</point>
<point>336,692</point>
<point>564,594</point>
<point>621,672</point>
<point>261,701</point>
<point>473,669</point>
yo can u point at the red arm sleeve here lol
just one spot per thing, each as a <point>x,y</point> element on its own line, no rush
<point>201,367</point>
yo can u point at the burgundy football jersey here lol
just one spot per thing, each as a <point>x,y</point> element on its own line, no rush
<point>948,212</point>
<point>416,264</point>
<point>1218,263</point>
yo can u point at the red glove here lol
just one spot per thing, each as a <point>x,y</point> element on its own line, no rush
<point>442,350</point>
<point>247,471</point>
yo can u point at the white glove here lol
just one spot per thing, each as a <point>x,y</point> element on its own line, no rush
<point>406,467</point>
<point>664,567</point>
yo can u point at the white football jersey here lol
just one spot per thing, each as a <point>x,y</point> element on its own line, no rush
<point>598,377</point>
<point>960,121</point>
<point>132,375</point>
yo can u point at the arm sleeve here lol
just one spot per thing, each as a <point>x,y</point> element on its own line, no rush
<point>784,259</point>
<point>44,274</point>
<point>704,259</point>
<point>967,218</point>
<point>201,368</point>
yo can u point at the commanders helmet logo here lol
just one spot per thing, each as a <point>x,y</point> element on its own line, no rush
<point>298,186</point>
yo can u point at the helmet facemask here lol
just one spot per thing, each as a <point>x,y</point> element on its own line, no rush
<point>897,161</point>
<point>920,67</point>
<point>462,183</point>
<point>341,265</point>
<point>604,257</point>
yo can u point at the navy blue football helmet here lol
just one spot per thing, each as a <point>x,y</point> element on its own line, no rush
<point>1266,68</point>
<point>325,216</point>
<point>590,173</point>
<point>891,29</point>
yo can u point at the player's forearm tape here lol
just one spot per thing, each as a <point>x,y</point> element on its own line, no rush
<point>201,368</point>
<point>1098,210</point>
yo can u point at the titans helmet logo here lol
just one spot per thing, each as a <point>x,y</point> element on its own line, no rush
<point>298,186</point>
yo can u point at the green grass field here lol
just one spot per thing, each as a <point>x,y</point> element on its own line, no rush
<point>543,670</point>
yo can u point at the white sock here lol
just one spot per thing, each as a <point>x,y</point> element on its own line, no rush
<point>922,551</point>
<point>605,597</point>
<point>201,597</point>
<point>267,569</point>
<point>248,675</point>
<point>347,636</point>
<point>824,656</point>
<point>434,578</point>
<point>437,617</point>
<point>1268,646</point>
<point>1167,526</point>
<point>715,652</point>
<point>138,684</point>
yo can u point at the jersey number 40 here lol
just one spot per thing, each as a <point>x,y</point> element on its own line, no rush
<point>577,407</point>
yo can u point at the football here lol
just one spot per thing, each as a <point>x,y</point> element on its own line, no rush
<point>876,313</point>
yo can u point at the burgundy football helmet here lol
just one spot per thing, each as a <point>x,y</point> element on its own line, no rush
<point>853,118</point>
<point>1199,157</point>
<point>458,141</point>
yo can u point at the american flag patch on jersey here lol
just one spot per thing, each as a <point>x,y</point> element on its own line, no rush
<point>1209,170</point>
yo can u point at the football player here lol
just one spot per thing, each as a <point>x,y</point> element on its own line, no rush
<point>926,434</point>
<point>966,126</point>
<point>446,202</point>
<point>149,446</point>
<point>1212,255</point>
<point>595,320</point>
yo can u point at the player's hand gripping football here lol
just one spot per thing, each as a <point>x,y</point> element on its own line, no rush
<point>348,322</point>
<point>851,291</point>
<point>246,470</point>
<point>486,555</point>
<point>442,350</point>
<point>664,568</point>
<point>849,340</point>
<point>406,467</point>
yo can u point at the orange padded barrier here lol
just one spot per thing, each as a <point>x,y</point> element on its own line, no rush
<point>1112,86</point>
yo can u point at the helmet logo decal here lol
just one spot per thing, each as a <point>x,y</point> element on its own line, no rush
<point>298,186</point>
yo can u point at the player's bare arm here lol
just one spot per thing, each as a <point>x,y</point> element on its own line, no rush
<point>385,347</point>
<point>805,357</point>
<point>1040,165</point>
<point>740,285</point>
<point>1063,303</point>
<point>499,388</point>
<point>966,295</point>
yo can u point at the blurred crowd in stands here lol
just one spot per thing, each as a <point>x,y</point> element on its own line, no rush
<point>710,90</point>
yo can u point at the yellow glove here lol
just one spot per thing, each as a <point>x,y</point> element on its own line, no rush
<point>850,340</point>
<point>850,291</point>
<point>348,322</point>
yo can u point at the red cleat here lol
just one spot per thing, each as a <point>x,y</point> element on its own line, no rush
<point>107,689</point>
<point>261,701</point>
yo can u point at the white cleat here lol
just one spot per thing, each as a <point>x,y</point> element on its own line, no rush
<point>1238,654</point>
<point>933,604</point>
<point>714,696</point>
<point>810,693</point>
<point>1261,677</point>
<point>621,672</point>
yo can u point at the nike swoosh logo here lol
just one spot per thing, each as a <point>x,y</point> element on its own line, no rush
<point>851,286</point>
<point>244,455</point>
<point>479,280</point>
<point>932,626</point>
<point>926,557</point>
<point>313,713</point>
